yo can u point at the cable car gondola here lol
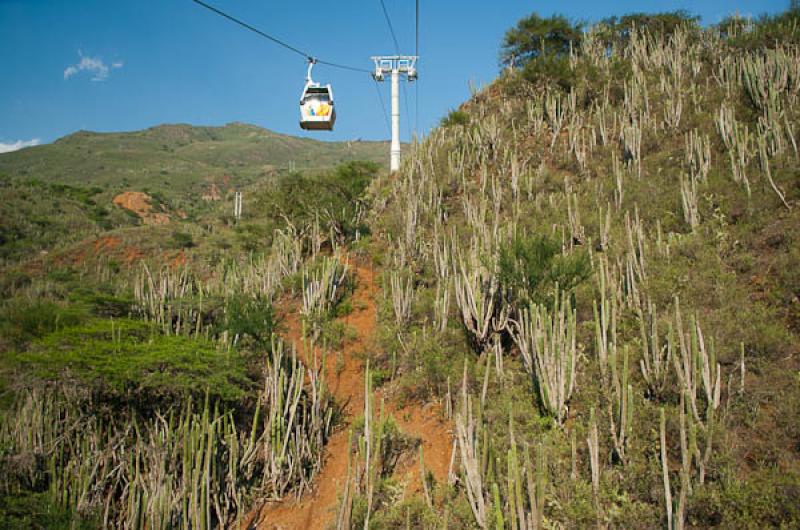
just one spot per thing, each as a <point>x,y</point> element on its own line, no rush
<point>316,104</point>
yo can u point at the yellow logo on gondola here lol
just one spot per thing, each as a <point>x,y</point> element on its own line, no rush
<point>322,110</point>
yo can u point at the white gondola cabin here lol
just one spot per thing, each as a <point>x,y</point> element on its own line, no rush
<point>317,112</point>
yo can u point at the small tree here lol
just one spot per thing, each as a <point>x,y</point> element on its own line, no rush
<point>535,37</point>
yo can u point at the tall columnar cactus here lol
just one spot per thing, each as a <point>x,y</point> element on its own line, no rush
<point>736,137</point>
<point>763,158</point>
<point>698,155</point>
<point>525,491</point>
<point>476,297</point>
<point>323,288</point>
<point>402,294</point>
<point>593,444</point>
<point>617,390</point>
<point>472,448</point>
<point>547,342</point>
<point>656,356</point>
<point>697,369</point>
<point>689,201</point>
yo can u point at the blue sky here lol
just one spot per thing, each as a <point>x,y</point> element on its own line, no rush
<point>125,65</point>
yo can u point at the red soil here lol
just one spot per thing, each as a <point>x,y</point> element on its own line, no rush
<point>139,203</point>
<point>316,510</point>
<point>106,244</point>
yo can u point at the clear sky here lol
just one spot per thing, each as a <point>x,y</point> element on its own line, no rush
<point>124,65</point>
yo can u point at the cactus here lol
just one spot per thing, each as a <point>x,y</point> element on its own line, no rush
<point>689,200</point>
<point>656,357</point>
<point>190,468</point>
<point>402,295</point>
<point>473,452</point>
<point>546,339</point>
<point>476,298</point>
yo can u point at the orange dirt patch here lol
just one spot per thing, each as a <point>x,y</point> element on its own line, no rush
<point>106,244</point>
<point>139,203</point>
<point>345,379</point>
<point>179,260</point>
<point>131,254</point>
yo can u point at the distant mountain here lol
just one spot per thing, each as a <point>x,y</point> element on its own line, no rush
<point>85,182</point>
<point>174,159</point>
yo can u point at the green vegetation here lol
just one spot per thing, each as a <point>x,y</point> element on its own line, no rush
<point>454,118</point>
<point>536,37</point>
<point>126,357</point>
<point>334,199</point>
<point>532,268</point>
<point>647,166</point>
<point>595,282</point>
<point>61,192</point>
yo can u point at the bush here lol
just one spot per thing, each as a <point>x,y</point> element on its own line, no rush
<point>182,239</point>
<point>530,267</point>
<point>550,69</point>
<point>25,510</point>
<point>768,31</point>
<point>455,118</point>
<point>336,199</point>
<point>251,318</point>
<point>129,360</point>
<point>663,24</point>
<point>22,319</point>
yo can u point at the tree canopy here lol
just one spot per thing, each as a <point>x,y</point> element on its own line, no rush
<point>535,36</point>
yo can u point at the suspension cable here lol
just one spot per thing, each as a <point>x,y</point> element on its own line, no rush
<point>416,85</point>
<point>391,28</point>
<point>383,108</point>
<point>278,41</point>
<point>397,51</point>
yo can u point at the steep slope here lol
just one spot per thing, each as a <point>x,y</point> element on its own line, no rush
<point>607,239</point>
<point>345,378</point>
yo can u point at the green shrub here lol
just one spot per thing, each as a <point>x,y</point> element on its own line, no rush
<point>455,118</point>
<point>530,267</point>
<point>251,318</point>
<point>663,24</point>
<point>769,31</point>
<point>127,359</point>
<point>31,510</point>
<point>336,199</point>
<point>22,319</point>
<point>550,70</point>
<point>766,499</point>
<point>182,239</point>
<point>11,281</point>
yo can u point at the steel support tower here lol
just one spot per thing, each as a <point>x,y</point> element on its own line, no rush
<point>395,66</point>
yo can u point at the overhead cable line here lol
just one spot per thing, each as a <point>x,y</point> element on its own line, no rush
<point>416,24</point>
<point>391,28</point>
<point>416,52</point>
<point>383,108</point>
<point>279,41</point>
<point>397,51</point>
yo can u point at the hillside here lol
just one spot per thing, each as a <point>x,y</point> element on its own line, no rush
<point>63,191</point>
<point>576,305</point>
<point>178,159</point>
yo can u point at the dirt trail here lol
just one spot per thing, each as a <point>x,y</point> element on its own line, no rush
<point>345,379</point>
